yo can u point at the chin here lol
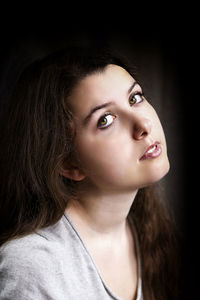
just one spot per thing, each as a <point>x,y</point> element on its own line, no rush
<point>156,173</point>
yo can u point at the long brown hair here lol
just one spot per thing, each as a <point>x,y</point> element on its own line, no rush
<point>37,138</point>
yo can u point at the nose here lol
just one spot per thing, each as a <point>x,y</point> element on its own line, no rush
<point>142,128</point>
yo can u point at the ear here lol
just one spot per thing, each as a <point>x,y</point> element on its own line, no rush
<point>73,173</point>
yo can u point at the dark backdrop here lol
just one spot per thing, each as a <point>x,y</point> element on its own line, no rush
<point>164,50</point>
<point>156,69</point>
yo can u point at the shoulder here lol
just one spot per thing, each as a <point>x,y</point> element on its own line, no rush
<point>29,264</point>
<point>21,250</point>
<point>50,264</point>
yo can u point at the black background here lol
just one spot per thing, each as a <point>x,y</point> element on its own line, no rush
<point>163,41</point>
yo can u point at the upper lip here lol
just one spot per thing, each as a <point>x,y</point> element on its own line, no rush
<point>149,147</point>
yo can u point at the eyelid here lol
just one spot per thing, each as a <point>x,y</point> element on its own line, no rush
<point>135,93</point>
<point>104,116</point>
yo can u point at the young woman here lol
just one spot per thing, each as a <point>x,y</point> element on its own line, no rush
<point>81,150</point>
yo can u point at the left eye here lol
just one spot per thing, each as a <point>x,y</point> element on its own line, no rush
<point>106,120</point>
<point>136,98</point>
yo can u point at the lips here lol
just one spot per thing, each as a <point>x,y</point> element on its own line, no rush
<point>152,151</point>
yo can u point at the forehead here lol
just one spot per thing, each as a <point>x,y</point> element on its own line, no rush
<point>111,76</point>
<point>99,87</point>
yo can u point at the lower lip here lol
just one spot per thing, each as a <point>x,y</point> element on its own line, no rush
<point>154,154</point>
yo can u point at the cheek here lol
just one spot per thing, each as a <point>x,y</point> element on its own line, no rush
<point>113,159</point>
<point>157,129</point>
<point>98,153</point>
<point>104,159</point>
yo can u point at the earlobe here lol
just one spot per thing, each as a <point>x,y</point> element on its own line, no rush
<point>73,173</point>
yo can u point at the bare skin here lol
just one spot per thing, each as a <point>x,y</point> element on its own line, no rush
<point>110,146</point>
<point>112,249</point>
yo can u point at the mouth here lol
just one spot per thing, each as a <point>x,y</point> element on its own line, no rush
<point>152,151</point>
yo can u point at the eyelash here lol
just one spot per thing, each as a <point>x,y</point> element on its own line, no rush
<point>141,94</point>
<point>100,126</point>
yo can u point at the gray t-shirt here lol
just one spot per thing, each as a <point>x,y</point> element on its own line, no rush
<point>52,264</point>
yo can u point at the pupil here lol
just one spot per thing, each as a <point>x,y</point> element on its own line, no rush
<point>103,122</point>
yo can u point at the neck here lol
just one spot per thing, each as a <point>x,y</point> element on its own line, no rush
<point>102,213</point>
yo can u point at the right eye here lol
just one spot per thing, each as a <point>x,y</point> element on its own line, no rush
<point>106,120</point>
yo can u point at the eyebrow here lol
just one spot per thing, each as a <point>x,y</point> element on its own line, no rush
<point>93,110</point>
<point>132,87</point>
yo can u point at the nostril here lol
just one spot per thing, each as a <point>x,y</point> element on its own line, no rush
<point>139,134</point>
<point>141,129</point>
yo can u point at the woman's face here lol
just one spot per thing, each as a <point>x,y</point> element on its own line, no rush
<point>115,126</point>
